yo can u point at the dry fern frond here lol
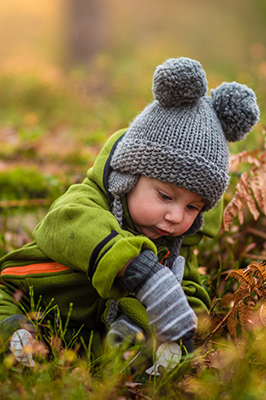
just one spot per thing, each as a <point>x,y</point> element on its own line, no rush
<point>258,186</point>
<point>259,272</point>
<point>246,194</point>
<point>243,278</point>
<point>232,324</point>
<point>233,209</point>
<point>251,292</point>
<point>242,197</point>
<point>250,190</point>
<point>244,158</point>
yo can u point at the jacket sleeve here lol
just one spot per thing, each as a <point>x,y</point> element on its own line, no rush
<point>196,294</point>
<point>80,232</point>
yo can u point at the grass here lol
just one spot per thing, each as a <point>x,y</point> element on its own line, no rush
<point>220,370</point>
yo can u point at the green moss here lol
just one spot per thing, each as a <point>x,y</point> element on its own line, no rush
<point>24,183</point>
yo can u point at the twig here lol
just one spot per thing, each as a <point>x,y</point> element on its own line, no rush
<point>141,395</point>
<point>222,322</point>
<point>253,256</point>
<point>25,203</point>
<point>256,232</point>
<point>208,338</point>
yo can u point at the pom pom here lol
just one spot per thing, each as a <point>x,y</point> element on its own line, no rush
<point>178,81</point>
<point>236,108</point>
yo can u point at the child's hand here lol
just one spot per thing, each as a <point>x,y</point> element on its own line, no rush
<point>124,330</point>
<point>157,287</point>
<point>167,307</point>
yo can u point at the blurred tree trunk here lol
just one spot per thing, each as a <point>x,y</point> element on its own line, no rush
<point>86,30</point>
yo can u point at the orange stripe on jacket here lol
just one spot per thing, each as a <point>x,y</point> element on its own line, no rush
<point>166,256</point>
<point>34,269</point>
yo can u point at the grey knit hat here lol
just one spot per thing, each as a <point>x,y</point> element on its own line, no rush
<point>181,137</point>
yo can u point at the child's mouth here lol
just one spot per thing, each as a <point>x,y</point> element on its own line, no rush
<point>161,232</point>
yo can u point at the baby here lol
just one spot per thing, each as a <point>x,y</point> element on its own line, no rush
<point>108,249</point>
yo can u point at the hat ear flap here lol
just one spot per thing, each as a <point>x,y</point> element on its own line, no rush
<point>119,184</point>
<point>236,107</point>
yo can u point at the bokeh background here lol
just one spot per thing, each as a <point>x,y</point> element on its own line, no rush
<point>74,71</point>
<point>107,50</point>
<point>125,40</point>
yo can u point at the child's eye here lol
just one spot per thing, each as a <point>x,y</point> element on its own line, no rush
<point>165,196</point>
<point>192,208</point>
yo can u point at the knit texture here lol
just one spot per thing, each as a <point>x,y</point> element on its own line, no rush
<point>139,270</point>
<point>119,185</point>
<point>181,137</point>
<point>124,330</point>
<point>169,314</point>
<point>159,289</point>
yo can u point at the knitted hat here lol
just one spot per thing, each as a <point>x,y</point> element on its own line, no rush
<point>181,137</point>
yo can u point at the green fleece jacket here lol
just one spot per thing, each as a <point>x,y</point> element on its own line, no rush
<point>78,250</point>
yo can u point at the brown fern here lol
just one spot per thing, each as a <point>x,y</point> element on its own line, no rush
<point>233,209</point>
<point>250,295</point>
<point>244,158</point>
<point>232,324</point>
<point>257,184</point>
<point>252,292</point>
<point>245,192</point>
<point>243,277</point>
<point>250,190</point>
<point>259,273</point>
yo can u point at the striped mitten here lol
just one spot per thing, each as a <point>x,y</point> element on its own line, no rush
<point>122,330</point>
<point>157,288</point>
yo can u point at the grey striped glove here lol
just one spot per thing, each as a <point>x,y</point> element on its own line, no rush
<point>157,287</point>
<point>124,330</point>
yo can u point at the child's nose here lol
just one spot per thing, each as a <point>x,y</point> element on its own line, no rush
<point>175,215</point>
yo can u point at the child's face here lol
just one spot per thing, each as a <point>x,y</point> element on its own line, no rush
<point>162,209</point>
